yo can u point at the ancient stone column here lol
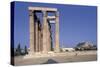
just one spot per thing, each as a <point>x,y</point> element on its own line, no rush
<point>39,37</point>
<point>48,37</point>
<point>31,21</point>
<point>36,35</point>
<point>44,32</point>
<point>57,49</point>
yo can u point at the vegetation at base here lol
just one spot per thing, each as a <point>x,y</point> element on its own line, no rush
<point>19,51</point>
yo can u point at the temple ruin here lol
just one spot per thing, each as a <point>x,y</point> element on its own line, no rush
<point>40,33</point>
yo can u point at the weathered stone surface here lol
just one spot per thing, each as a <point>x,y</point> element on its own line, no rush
<point>36,36</point>
<point>57,33</point>
<point>44,32</point>
<point>40,35</point>
<point>42,9</point>
<point>31,21</point>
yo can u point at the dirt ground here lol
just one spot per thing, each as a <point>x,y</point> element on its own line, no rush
<point>59,58</point>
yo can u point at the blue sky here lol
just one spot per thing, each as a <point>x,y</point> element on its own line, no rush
<point>77,23</point>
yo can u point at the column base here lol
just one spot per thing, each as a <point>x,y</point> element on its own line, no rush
<point>57,50</point>
<point>39,54</point>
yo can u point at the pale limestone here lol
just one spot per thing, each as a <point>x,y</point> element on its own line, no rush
<point>40,41</point>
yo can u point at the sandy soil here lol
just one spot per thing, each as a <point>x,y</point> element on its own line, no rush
<point>76,56</point>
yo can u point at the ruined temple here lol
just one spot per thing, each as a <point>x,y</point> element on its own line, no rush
<point>40,31</point>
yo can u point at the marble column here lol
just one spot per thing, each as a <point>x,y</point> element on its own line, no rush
<point>57,49</point>
<point>48,37</point>
<point>44,32</point>
<point>39,37</point>
<point>31,21</point>
<point>36,35</point>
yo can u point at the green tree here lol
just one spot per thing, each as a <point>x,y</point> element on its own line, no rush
<point>18,50</point>
<point>25,49</point>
